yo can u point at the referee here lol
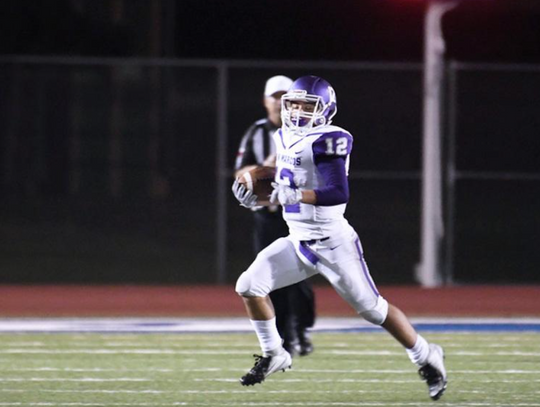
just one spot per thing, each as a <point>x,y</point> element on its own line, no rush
<point>294,305</point>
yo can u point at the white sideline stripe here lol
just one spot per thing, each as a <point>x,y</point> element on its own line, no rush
<point>195,325</point>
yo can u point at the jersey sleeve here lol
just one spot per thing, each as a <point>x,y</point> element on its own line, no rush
<point>334,144</point>
<point>330,152</point>
<point>245,155</point>
<point>336,186</point>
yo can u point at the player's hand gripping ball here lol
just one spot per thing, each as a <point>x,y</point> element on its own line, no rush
<point>254,186</point>
<point>285,195</point>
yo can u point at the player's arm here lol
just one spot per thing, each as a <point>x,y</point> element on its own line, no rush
<point>336,185</point>
<point>330,152</point>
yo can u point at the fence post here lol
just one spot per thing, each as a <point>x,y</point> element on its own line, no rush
<point>429,273</point>
<point>221,173</point>
<point>450,217</point>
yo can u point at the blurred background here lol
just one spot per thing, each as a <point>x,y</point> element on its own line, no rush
<point>120,121</point>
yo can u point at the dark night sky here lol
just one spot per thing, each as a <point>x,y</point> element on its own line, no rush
<point>357,30</point>
<point>478,30</point>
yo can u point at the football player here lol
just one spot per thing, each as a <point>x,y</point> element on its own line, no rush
<point>311,185</point>
<point>294,305</point>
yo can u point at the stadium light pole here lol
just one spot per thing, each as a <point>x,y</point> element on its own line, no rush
<point>429,273</point>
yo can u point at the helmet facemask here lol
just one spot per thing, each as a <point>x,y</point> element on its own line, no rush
<point>301,112</point>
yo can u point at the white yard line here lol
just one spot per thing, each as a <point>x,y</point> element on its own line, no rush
<point>322,345</point>
<point>76,404</point>
<point>79,380</point>
<point>375,371</point>
<point>221,352</point>
<point>296,371</point>
<point>119,352</point>
<point>455,353</point>
<point>280,404</point>
<point>86,370</point>
<point>359,381</point>
<point>242,391</point>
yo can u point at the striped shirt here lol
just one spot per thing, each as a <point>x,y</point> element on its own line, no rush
<point>256,145</point>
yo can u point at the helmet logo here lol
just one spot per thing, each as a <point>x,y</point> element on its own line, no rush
<point>332,94</point>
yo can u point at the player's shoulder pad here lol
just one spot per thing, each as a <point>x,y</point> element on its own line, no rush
<point>335,141</point>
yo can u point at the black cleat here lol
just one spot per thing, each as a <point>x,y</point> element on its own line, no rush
<point>265,366</point>
<point>434,372</point>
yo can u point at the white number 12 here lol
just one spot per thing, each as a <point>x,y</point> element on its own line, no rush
<point>341,146</point>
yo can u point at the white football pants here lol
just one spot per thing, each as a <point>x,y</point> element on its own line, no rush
<point>339,259</point>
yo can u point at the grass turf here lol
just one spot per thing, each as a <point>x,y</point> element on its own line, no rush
<point>349,369</point>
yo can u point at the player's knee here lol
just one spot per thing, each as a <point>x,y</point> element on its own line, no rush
<point>378,314</point>
<point>373,316</point>
<point>245,286</point>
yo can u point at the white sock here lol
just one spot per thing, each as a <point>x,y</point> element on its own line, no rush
<point>419,352</point>
<point>268,335</point>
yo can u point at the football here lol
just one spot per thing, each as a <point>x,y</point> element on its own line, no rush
<point>259,180</point>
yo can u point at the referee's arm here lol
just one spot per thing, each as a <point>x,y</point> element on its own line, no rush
<point>245,157</point>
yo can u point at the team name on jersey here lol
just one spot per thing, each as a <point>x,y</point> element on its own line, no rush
<point>287,159</point>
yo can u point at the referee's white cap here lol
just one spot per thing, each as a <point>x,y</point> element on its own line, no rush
<point>277,83</point>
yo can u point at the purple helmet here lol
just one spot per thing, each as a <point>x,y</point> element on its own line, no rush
<point>310,102</point>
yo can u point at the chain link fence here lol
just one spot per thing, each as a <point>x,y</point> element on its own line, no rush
<point>118,170</point>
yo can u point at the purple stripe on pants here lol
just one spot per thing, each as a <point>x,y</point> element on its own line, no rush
<point>308,254</point>
<point>364,267</point>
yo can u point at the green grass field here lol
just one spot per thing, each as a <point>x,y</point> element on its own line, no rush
<point>349,369</point>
